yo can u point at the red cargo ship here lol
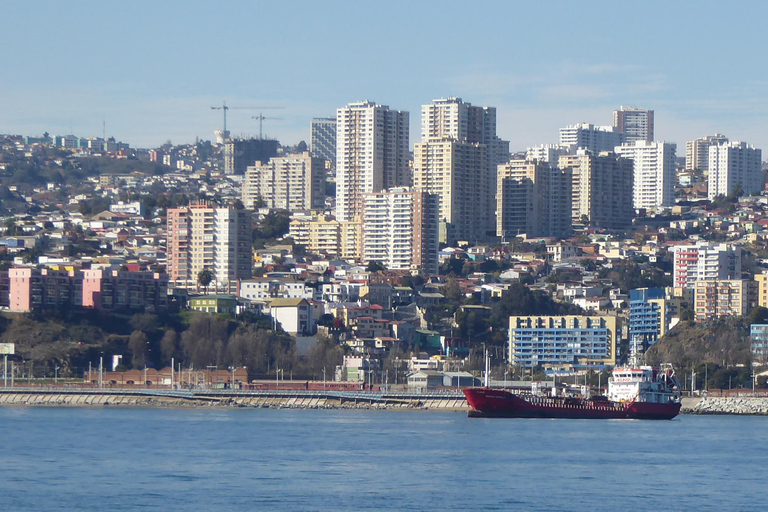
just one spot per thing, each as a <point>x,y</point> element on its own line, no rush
<point>642,393</point>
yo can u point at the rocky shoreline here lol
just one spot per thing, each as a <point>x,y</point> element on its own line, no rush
<point>716,405</point>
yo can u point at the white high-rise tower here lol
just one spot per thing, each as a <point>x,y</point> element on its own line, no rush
<point>371,154</point>
<point>732,165</point>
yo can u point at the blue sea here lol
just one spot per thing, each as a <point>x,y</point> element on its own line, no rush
<point>259,459</point>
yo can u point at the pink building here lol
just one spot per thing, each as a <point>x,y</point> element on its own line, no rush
<point>32,288</point>
<point>113,289</point>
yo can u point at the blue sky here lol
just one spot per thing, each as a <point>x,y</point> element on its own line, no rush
<point>152,70</point>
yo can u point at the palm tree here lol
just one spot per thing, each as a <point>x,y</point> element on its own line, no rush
<point>204,278</point>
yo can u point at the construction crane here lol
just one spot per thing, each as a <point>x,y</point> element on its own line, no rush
<point>224,109</point>
<point>261,119</point>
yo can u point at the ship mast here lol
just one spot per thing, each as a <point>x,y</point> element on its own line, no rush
<point>487,369</point>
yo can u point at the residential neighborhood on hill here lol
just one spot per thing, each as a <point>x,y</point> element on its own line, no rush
<point>371,259</point>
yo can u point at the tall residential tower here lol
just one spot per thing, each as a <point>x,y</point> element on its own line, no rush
<point>372,151</point>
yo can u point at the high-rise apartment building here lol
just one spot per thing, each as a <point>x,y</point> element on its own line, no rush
<point>466,136</point>
<point>400,229</point>
<point>589,136</point>
<point>534,198</point>
<point>240,153</point>
<point>206,237</point>
<point>452,118</point>
<point>697,151</point>
<point>715,299</point>
<point>734,165</point>
<point>705,261</point>
<point>322,138</point>
<point>654,173</point>
<point>293,182</point>
<point>372,153</point>
<point>457,171</point>
<point>602,188</point>
<point>546,153</point>
<point>634,124</point>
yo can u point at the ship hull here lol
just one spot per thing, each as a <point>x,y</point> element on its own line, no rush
<point>497,403</point>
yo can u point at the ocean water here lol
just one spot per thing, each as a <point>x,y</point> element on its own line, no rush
<point>254,459</point>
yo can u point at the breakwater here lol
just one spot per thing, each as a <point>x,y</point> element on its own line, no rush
<point>256,399</point>
<point>718,405</point>
<point>308,400</point>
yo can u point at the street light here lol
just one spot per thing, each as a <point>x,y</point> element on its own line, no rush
<point>56,376</point>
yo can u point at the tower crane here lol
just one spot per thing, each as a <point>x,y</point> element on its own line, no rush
<point>224,107</point>
<point>261,119</point>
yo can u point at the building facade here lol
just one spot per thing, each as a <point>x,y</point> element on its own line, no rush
<point>293,182</point>
<point>458,173</point>
<point>115,290</point>
<point>654,174</point>
<point>652,313</point>
<point>326,236</point>
<point>534,198</point>
<point>715,299</point>
<point>697,152</point>
<point>759,337</point>
<point>732,166</point>
<point>452,118</point>
<point>206,237</point>
<point>562,341</point>
<point>322,138</point>
<point>43,288</point>
<point>372,154</point>
<point>400,230</point>
<point>601,190</point>
<point>634,124</point>
<point>589,136</point>
<point>705,262</point>
<point>240,153</point>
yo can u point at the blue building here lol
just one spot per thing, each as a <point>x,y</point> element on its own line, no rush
<point>652,313</point>
<point>644,318</point>
<point>759,335</point>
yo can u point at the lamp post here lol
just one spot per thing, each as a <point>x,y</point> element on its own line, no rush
<point>56,376</point>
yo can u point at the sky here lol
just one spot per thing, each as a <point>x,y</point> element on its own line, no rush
<point>150,71</point>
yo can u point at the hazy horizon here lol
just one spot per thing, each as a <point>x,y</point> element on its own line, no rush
<point>152,71</point>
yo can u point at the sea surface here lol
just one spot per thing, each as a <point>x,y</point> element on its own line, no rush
<point>258,459</point>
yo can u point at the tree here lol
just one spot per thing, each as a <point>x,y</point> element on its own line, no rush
<point>375,266</point>
<point>204,278</point>
<point>137,344</point>
<point>169,345</point>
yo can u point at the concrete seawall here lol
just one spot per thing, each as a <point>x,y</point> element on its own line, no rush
<point>256,399</point>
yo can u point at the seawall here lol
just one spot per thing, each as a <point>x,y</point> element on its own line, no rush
<point>255,399</point>
<point>717,405</point>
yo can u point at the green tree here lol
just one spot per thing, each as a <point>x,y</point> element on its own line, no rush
<point>375,266</point>
<point>204,278</point>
